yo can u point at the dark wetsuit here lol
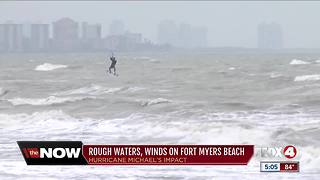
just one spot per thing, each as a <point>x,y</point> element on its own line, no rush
<point>113,65</point>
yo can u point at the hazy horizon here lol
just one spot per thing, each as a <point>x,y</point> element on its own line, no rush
<point>228,23</point>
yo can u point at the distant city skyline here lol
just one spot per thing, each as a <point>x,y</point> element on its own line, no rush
<point>68,35</point>
<point>117,27</point>
<point>228,23</point>
<point>182,35</point>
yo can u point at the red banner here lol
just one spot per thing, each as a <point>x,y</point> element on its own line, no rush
<point>167,154</point>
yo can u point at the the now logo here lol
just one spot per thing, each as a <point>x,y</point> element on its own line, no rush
<point>52,152</point>
<point>60,152</point>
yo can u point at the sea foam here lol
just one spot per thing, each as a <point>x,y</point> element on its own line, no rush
<point>95,90</point>
<point>314,77</point>
<point>45,101</point>
<point>49,67</point>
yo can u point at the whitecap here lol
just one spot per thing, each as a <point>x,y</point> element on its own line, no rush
<point>47,121</point>
<point>298,62</point>
<point>95,90</point>
<point>160,129</point>
<point>45,101</point>
<point>135,89</point>
<point>154,61</point>
<point>314,77</point>
<point>90,90</point>
<point>143,58</point>
<point>49,67</point>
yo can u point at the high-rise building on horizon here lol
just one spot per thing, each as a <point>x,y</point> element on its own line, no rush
<point>135,38</point>
<point>168,32</point>
<point>11,37</point>
<point>65,35</point>
<point>127,41</point>
<point>183,35</point>
<point>65,28</point>
<point>91,36</point>
<point>91,31</point>
<point>39,37</point>
<point>270,36</point>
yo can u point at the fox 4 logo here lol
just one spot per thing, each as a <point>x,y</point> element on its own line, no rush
<point>288,152</point>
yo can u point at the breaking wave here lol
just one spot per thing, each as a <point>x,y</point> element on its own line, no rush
<point>49,67</point>
<point>151,102</point>
<point>43,122</point>
<point>314,77</point>
<point>243,127</point>
<point>45,101</point>
<point>298,62</point>
<point>95,90</point>
<point>169,128</point>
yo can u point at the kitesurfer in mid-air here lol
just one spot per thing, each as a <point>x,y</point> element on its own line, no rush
<point>113,65</point>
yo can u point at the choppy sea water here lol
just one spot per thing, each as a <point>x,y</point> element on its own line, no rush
<point>265,100</point>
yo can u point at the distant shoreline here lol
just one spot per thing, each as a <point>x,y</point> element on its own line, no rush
<point>215,50</point>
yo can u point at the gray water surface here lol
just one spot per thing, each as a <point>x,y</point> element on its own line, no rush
<point>159,99</point>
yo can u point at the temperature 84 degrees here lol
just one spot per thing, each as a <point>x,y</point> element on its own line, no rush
<point>289,167</point>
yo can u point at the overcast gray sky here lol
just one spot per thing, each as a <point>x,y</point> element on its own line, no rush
<point>228,23</point>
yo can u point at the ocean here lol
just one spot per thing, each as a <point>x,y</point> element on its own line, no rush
<point>164,98</point>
